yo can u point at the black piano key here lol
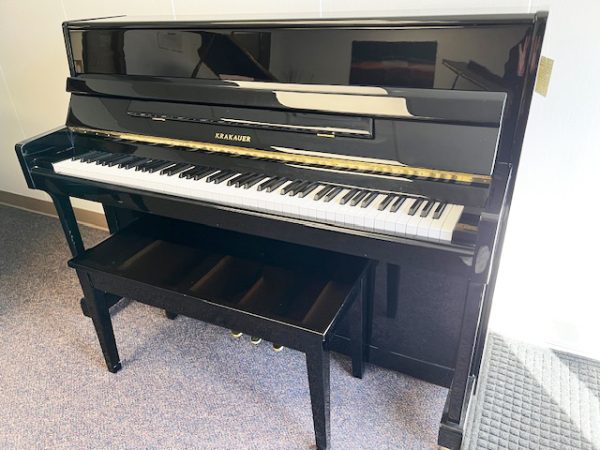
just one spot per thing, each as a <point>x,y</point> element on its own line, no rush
<point>204,173</point>
<point>118,160</point>
<point>139,162</point>
<point>212,177</point>
<point>290,187</point>
<point>277,184</point>
<point>299,188</point>
<point>189,172</point>
<point>398,203</point>
<point>415,206</point>
<point>369,199</point>
<point>427,208</point>
<point>112,157</point>
<point>332,194</point>
<point>147,164</point>
<point>240,177</point>
<point>93,158</point>
<point>439,211</point>
<point>358,197</point>
<point>346,198</point>
<point>386,201</point>
<point>323,192</point>
<point>224,177</point>
<point>160,165</point>
<point>152,165</point>
<point>252,181</point>
<point>174,170</point>
<point>265,184</point>
<point>249,177</point>
<point>84,155</point>
<point>103,158</point>
<point>125,163</point>
<point>112,161</point>
<point>308,189</point>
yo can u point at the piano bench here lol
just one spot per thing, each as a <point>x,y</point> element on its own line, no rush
<point>288,294</point>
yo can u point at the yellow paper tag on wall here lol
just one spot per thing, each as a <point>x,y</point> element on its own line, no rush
<point>543,76</point>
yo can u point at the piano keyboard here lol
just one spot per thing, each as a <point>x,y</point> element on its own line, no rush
<point>362,209</point>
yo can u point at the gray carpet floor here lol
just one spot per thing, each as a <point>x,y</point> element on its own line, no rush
<point>531,397</point>
<point>184,384</point>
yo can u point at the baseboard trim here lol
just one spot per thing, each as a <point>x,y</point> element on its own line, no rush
<point>45,207</point>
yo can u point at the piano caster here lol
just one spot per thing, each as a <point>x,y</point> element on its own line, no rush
<point>236,334</point>
<point>170,315</point>
<point>255,340</point>
<point>277,348</point>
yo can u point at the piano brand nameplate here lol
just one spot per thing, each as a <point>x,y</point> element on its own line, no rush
<point>233,137</point>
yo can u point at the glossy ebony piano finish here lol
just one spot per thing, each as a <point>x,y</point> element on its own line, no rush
<point>432,107</point>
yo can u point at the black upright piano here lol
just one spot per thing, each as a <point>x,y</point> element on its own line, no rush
<point>392,139</point>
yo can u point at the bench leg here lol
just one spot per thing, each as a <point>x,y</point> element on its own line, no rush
<point>98,307</point>
<point>358,331</point>
<point>317,363</point>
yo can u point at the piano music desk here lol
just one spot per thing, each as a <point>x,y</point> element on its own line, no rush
<point>288,294</point>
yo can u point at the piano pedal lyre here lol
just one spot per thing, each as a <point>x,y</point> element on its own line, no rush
<point>255,340</point>
<point>277,348</point>
<point>236,334</point>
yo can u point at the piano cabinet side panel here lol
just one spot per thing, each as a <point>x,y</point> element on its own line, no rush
<point>415,319</point>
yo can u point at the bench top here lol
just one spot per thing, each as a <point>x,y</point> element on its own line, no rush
<point>301,286</point>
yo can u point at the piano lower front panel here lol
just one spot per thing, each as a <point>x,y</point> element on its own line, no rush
<point>415,330</point>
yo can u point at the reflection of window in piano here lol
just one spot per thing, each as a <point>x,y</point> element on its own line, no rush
<point>398,64</point>
<point>161,53</point>
<point>235,56</point>
<point>76,39</point>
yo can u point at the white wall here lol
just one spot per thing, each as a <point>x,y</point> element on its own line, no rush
<point>546,288</point>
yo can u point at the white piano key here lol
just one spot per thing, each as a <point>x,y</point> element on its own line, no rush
<point>413,221</point>
<point>426,222</point>
<point>371,212</point>
<point>450,223</point>
<point>402,217</point>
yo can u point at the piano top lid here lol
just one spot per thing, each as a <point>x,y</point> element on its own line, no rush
<point>254,21</point>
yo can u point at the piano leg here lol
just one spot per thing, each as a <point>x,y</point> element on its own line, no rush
<point>461,390</point>
<point>358,329</point>
<point>98,307</point>
<point>62,203</point>
<point>317,363</point>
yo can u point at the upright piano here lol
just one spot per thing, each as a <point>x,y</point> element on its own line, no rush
<point>392,139</point>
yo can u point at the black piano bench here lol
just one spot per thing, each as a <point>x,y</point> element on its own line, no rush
<point>284,293</point>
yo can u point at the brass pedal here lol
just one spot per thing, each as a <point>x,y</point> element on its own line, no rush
<point>277,348</point>
<point>255,340</point>
<point>236,334</point>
